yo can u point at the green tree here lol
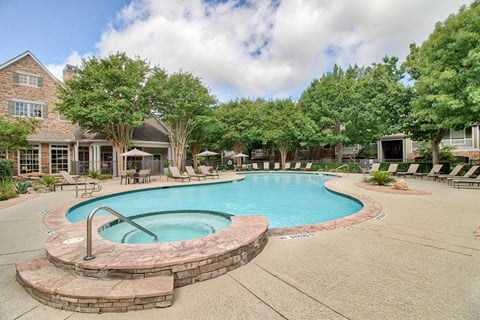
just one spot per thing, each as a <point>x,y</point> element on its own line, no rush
<point>105,97</point>
<point>14,133</point>
<point>236,124</point>
<point>329,101</point>
<point>179,101</point>
<point>445,69</point>
<point>382,103</point>
<point>283,124</point>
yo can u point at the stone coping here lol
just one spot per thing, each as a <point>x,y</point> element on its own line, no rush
<point>131,258</point>
<point>56,217</point>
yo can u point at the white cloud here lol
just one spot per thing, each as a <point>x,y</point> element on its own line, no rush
<point>73,59</point>
<point>270,48</point>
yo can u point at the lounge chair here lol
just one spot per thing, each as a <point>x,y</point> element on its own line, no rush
<point>466,182</point>
<point>255,166</point>
<point>288,165</point>
<point>207,172</point>
<point>392,168</point>
<point>454,173</point>
<point>191,172</point>
<point>435,170</point>
<point>412,169</point>
<point>467,176</point>
<point>308,166</point>
<point>298,165</point>
<point>266,165</point>
<point>276,166</point>
<point>374,168</point>
<point>175,174</point>
<point>69,180</point>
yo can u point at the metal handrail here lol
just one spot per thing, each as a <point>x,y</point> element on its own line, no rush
<point>92,213</point>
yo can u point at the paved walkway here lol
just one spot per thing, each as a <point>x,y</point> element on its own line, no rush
<point>418,260</point>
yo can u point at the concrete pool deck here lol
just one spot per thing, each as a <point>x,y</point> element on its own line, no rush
<point>418,259</point>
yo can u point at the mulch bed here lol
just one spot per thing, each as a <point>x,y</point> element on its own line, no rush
<point>389,189</point>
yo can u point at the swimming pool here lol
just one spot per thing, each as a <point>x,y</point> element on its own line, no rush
<point>285,199</point>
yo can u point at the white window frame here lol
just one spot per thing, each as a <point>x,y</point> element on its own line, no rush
<point>30,161</point>
<point>60,166</point>
<point>29,109</point>
<point>28,79</point>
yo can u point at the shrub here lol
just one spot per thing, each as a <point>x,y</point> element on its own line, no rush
<point>94,174</point>
<point>381,178</point>
<point>6,170</point>
<point>7,190</point>
<point>104,177</point>
<point>22,186</point>
<point>48,181</point>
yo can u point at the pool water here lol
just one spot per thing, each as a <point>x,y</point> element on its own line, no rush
<point>285,199</point>
<point>167,226</point>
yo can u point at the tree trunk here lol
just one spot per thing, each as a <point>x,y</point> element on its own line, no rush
<point>435,147</point>
<point>283,155</point>
<point>339,152</point>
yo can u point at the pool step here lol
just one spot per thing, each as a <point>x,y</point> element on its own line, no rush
<point>62,290</point>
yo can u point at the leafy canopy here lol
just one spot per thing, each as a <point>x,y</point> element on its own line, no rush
<point>106,97</point>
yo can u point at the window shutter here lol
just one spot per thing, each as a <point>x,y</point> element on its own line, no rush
<point>45,111</point>
<point>40,82</point>
<point>16,77</point>
<point>11,107</point>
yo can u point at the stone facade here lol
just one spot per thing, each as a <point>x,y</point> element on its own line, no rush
<point>24,79</point>
<point>43,93</point>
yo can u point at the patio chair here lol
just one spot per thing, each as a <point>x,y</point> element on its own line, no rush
<point>466,182</point>
<point>467,176</point>
<point>454,173</point>
<point>392,168</point>
<point>288,166</point>
<point>144,176</point>
<point>308,166</point>
<point>207,172</point>
<point>298,165</point>
<point>266,165</point>
<point>255,166</point>
<point>276,166</point>
<point>435,170</point>
<point>191,172</point>
<point>175,174</point>
<point>69,180</point>
<point>412,169</point>
<point>374,168</point>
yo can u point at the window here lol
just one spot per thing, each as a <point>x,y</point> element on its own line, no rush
<point>457,134</point>
<point>58,158</point>
<point>27,79</point>
<point>28,109</point>
<point>29,160</point>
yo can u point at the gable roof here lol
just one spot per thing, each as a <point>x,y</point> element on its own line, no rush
<point>25,54</point>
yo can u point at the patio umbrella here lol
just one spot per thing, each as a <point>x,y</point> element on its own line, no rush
<point>135,153</point>
<point>207,153</point>
<point>240,155</point>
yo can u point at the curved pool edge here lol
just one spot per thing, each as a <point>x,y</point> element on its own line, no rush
<point>369,210</point>
<point>188,261</point>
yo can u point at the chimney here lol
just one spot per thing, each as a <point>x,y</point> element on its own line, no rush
<point>69,72</point>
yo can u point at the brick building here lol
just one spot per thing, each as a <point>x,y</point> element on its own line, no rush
<point>28,89</point>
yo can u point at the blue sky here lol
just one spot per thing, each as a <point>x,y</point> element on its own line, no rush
<point>239,48</point>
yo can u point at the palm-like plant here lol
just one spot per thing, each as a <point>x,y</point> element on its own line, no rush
<point>381,178</point>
